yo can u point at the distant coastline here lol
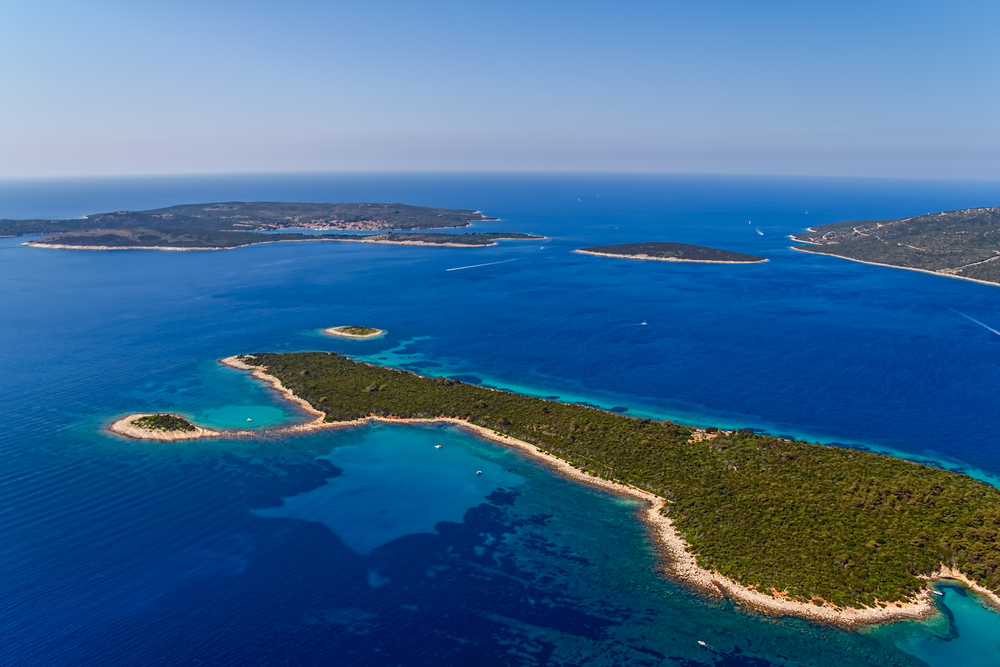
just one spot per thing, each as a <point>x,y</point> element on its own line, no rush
<point>58,246</point>
<point>671,251</point>
<point>959,244</point>
<point>891,266</point>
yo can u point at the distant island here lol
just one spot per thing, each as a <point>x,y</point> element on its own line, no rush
<point>354,332</point>
<point>960,244</point>
<point>257,216</point>
<point>666,251</point>
<point>236,224</point>
<point>783,526</point>
<point>161,239</point>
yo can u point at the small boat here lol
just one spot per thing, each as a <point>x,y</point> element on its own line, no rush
<point>479,472</point>
<point>249,420</point>
<point>437,446</point>
<point>938,593</point>
<point>760,232</point>
<point>643,323</point>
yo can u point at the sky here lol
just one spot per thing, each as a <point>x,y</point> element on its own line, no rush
<point>876,88</point>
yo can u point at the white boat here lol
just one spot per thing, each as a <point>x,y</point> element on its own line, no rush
<point>437,446</point>
<point>642,324</point>
<point>760,232</point>
<point>249,420</point>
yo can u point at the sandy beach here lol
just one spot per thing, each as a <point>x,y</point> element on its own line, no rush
<point>893,266</point>
<point>667,259</point>
<point>678,561</point>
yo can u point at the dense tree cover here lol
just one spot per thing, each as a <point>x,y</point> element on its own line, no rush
<point>477,239</point>
<point>357,331</point>
<point>246,216</point>
<point>163,422</point>
<point>842,524</point>
<point>669,250</point>
<point>964,243</point>
<point>202,238</point>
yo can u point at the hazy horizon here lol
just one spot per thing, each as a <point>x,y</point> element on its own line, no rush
<point>113,89</point>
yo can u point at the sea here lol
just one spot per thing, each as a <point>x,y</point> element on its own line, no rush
<point>380,545</point>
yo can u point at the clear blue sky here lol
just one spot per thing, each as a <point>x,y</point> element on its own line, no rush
<point>844,88</point>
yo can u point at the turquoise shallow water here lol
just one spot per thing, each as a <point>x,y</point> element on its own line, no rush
<point>965,631</point>
<point>369,546</point>
<point>376,499</point>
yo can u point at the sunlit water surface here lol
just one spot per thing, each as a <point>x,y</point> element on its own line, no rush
<point>372,546</point>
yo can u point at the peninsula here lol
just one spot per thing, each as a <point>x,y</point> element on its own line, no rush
<point>159,239</point>
<point>783,526</point>
<point>959,244</point>
<point>354,332</point>
<point>666,251</point>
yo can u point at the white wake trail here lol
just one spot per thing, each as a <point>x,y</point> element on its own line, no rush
<point>459,268</point>
<point>985,326</point>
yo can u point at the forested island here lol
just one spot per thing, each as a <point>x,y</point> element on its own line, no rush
<point>237,224</point>
<point>962,244</point>
<point>837,534</point>
<point>159,426</point>
<point>671,252</point>
<point>354,332</point>
<point>200,239</point>
<point>256,216</point>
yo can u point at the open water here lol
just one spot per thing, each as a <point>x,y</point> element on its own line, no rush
<point>370,546</point>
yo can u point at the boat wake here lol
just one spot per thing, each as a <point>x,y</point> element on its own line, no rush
<point>474,266</point>
<point>985,326</point>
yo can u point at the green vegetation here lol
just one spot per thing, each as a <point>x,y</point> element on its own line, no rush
<point>358,331</point>
<point>164,422</point>
<point>250,216</point>
<point>963,243</point>
<point>201,238</point>
<point>470,239</point>
<point>668,250</point>
<point>843,524</point>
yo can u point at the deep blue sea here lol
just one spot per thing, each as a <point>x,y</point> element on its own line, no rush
<point>370,546</point>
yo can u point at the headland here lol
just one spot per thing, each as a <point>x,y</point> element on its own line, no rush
<point>957,244</point>
<point>785,527</point>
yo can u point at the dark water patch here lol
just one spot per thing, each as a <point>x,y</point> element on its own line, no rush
<point>120,552</point>
<point>619,409</point>
<point>468,379</point>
